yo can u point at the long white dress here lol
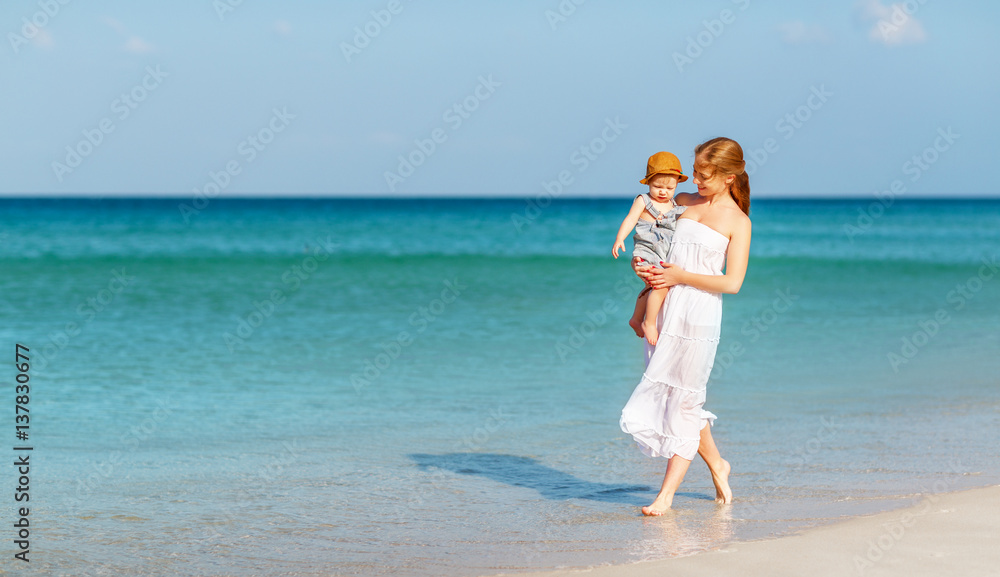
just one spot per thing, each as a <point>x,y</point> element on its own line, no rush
<point>664,414</point>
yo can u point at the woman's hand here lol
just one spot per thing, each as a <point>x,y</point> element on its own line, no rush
<point>661,278</point>
<point>640,267</point>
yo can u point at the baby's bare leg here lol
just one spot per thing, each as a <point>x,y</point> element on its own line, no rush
<point>653,304</point>
<point>640,311</point>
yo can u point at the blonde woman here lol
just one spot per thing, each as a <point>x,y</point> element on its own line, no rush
<point>708,257</point>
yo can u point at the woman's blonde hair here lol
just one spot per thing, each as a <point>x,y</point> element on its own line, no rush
<point>725,155</point>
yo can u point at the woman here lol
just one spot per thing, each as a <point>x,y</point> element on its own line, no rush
<point>664,414</point>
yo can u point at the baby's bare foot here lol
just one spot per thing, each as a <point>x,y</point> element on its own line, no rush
<point>636,325</point>
<point>649,329</point>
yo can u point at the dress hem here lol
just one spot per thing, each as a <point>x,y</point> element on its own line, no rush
<point>669,445</point>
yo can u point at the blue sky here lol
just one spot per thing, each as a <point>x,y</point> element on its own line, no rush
<point>258,98</point>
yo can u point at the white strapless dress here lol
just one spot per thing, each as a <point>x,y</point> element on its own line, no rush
<point>664,414</point>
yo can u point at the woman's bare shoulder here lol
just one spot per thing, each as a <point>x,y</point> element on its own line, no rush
<point>736,213</point>
<point>738,219</point>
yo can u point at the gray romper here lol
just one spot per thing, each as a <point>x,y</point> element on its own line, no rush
<point>652,239</point>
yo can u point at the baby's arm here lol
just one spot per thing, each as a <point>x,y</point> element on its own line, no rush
<point>628,224</point>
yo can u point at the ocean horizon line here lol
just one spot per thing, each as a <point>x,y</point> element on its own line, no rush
<point>987,197</point>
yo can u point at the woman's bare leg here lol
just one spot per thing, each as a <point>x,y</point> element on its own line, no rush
<point>677,466</point>
<point>718,466</point>
<point>653,304</point>
<point>640,311</point>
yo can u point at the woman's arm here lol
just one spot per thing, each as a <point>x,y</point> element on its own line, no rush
<point>737,257</point>
<point>628,224</point>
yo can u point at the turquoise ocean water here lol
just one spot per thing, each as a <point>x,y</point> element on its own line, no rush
<point>338,387</point>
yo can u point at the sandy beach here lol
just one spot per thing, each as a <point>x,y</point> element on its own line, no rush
<point>943,534</point>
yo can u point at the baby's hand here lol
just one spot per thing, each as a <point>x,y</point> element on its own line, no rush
<point>618,245</point>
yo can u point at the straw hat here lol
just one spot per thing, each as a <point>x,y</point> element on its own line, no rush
<point>663,163</point>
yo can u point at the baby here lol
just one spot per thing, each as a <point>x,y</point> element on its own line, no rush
<point>654,217</point>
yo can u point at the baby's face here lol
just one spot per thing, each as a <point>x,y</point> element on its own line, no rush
<point>662,187</point>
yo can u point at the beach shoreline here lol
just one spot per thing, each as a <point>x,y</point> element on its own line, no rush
<point>943,534</point>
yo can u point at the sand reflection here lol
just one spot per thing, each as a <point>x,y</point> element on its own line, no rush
<point>685,532</point>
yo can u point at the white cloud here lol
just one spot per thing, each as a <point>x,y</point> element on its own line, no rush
<point>137,45</point>
<point>283,27</point>
<point>118,26</point>
<point>133,44</point>
<point>38,37</point>
<point>798,32</point>
<point>894,24</point>
<point>43,39</point>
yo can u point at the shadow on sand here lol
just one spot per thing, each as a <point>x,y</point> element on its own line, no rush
<point>527,472</point>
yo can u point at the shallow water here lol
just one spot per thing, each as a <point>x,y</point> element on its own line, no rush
<point>195,424</point>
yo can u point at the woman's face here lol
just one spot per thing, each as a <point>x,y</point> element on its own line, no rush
<point>708,179</point>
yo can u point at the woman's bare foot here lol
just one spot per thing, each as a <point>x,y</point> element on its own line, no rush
<point>723,494</point>
<point>636,325</point>
<point>649,330</point>
<point>657,508</point>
